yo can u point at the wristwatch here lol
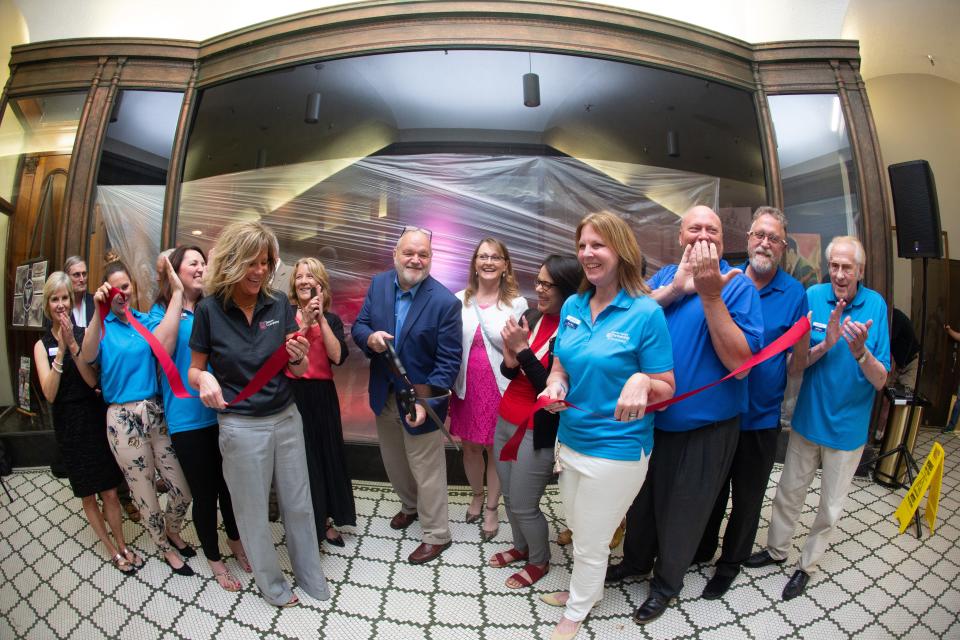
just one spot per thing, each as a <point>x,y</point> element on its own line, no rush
<point>863,357</point>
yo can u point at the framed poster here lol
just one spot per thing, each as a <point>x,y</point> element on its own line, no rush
<point>28,294</point>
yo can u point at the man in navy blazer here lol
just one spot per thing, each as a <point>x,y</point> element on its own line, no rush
<point>423,319</point>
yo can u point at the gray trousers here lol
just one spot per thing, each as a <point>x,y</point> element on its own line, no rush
<point>255,450</point>
<point>522,483</point>
<point>417,468</point>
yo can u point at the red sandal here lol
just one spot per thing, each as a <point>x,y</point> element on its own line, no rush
<point>530,574</point>
<point>508,557</point>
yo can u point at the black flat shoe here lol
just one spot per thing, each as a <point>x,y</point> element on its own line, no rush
<point>622,571</point>
<point>184,570</point>
<point>651,609</point>
<point>761,559</point>
<point>186,550</point>
<point>796,584</point>
<point>717,586</point>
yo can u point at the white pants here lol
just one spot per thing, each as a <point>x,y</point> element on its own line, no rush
<point>799,468</point>
<point>596,494</point>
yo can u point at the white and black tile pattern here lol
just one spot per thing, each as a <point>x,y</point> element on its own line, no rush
<point>872,583</point>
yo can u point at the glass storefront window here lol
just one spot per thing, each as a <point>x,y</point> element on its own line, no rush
<point>131,184</point>
<point>819,178</point>
<point>37,135</point>
<point>337,157</point>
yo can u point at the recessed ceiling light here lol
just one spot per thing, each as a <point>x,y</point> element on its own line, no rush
<point>197,232</point>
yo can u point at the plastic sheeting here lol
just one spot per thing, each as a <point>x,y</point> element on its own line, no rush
<point>349,213</point>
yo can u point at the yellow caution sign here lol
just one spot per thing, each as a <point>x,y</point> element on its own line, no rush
<point>930,477</point>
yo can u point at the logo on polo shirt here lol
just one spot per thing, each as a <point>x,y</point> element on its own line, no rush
<point>618,336</point>
<point>265,324</point>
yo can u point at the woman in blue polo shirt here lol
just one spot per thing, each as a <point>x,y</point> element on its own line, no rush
<point>613,357</point>
<point>136,428</point>
<point>193,427</point>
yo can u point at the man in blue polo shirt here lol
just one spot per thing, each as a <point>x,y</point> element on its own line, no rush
<point>847,365</point>
<point>783,302</point>
<point>713,315</point>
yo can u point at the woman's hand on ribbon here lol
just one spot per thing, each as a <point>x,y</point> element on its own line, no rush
<point>211,395</point>
<point>102,294</point>
<point>297,347</point>
<point>632,403</point>
<point>554,391</point>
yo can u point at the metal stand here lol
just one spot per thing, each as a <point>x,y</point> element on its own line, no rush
<point>901,448</point>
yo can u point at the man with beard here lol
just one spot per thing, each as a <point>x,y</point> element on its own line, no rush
<point>832,417</point>
<point>713,315</point>
<point>783,301</point>
<point>423,320</point>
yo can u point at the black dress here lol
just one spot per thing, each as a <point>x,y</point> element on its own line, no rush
<point>80,427</point>
<point>319,408</point>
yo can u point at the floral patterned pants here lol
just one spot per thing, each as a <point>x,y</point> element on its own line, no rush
<point>141,444</point>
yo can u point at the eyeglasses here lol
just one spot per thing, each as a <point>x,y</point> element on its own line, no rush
<point>411,228</point>
<point>543,284</point>
<point>483,257</point>
<point>772,237</point>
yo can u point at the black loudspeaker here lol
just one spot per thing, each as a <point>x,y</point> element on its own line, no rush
<point>915,210</point>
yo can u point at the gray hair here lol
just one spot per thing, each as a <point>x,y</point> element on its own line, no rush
<point>71,262</point>
<point>770,211</point>
<point>858,253</point>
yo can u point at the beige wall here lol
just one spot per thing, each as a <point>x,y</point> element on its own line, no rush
<point>13,30</point>
<point>918,118</point>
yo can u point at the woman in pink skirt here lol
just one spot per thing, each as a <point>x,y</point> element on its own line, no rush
<point>491,296</point>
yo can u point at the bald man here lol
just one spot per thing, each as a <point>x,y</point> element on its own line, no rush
<point>714,316</point>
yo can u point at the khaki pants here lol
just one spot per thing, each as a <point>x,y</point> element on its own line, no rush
<point>417,468</point>
<point>799,468</point>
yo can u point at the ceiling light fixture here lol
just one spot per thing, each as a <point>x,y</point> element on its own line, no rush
<point>312,113</point>
<point>673,144</point>
<point>531,86</point>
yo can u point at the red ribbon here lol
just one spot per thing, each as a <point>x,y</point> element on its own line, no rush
<point>274,364</point>
<point>781,344</point>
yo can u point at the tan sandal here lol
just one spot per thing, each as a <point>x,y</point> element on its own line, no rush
<point>123,565</point>
<point>227,581</point>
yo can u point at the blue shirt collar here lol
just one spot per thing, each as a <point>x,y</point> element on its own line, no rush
<point>412,290</point>
<point>622,300</point>
<point>777,283</point>
<point>857,299</point>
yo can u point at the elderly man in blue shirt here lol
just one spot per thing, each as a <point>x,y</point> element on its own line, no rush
<point>715,324</point>
<point>783,301</point>
<point>850,352</point>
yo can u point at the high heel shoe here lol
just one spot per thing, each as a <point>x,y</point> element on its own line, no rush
<point>336,541</point>
<point>488,535</point>
<point>473,517</point>
<point>186,550</point>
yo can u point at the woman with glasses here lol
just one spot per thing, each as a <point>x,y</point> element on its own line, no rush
<point>317,400</point>
<point>491,298</point>
<point>527,356</point>
<point>612,358</point>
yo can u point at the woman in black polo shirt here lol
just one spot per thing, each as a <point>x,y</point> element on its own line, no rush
<point>237,326</point>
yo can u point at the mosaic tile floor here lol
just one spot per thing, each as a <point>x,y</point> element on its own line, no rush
<point>873,583</point>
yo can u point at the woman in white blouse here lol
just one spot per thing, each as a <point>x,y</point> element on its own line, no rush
<point>491,296</point>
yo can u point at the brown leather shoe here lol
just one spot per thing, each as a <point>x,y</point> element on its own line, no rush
<point>426,552</point>
<point>402,520</point>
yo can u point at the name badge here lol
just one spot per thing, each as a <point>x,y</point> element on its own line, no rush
<point>819,327</point>
<point>571,323</point>
<point>53,351</point>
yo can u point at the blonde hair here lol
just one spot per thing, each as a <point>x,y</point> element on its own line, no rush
<point>239,244</point>
<point>319,273</point>
<point>619,237</point>
<point>509,289</point>
<point>54,281</point>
